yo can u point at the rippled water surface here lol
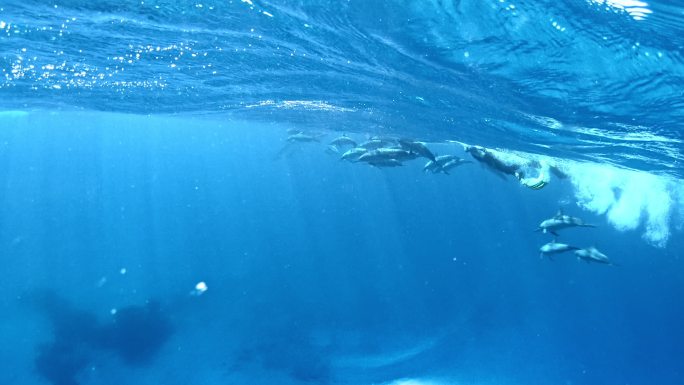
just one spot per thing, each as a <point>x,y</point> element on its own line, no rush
<point>585,79</point>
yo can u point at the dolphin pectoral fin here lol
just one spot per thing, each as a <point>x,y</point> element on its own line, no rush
<point>555,234</point>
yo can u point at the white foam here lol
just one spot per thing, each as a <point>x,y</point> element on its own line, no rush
<point>629,199</point>
<point>635,8</point>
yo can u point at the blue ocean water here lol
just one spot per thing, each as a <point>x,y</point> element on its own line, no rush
<point>172,212</point>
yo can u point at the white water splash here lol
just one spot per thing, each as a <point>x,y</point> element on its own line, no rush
<point>638,10</point>
<point>629,199</point>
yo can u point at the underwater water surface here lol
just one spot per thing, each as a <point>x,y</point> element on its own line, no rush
<point>173,211</point>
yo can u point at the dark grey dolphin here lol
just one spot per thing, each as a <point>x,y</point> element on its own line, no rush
<point>488,159</point>
<point>591,254</point>
<point>382,154</point>
<point>376,142</point>
<point>301,137</point>
<point>342,141</point>
<point>560,221</point>
<point>554,247</point>
<point>417,147</point>
<point>353,154</point>
<point>444,163</point>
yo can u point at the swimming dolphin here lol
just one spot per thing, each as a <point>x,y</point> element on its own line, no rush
<point>453,163</point>
<point>375,143</point>
<point>382,154</point>
<point>444,163</point>
<point>342,141</point>
<point>417,147</point>
<point>591,254</point>
<point>397,153</point>
<point>353,154</point>
<point>554,247</point>
<point>560,221</point>
<point>488,159</point>
<point>433,166</point>
<point>301,137</point>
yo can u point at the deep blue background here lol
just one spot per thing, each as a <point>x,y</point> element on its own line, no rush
<point>319,271</point>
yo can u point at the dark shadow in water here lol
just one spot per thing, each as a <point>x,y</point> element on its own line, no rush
<point>60,362</point>
<point>135,334</point>
<point>288,351</point>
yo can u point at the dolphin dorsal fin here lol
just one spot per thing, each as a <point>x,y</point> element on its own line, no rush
<point>559,213</point>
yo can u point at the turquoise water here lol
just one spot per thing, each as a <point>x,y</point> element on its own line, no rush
<point>160,224</point>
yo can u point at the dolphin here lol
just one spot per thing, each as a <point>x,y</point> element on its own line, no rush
<point>301,137</point>
<point>591,254</point>
<point>560,221</point>
<point>554,247</point>
<point>343,140</point>
<point>444,163</point>
<point>375,143</point>
<point>417,147</point>
<point>440,161</point>
<point>488,159</point>
<point>353,154</point>
<point>453,163</point>
<point>397,153</point>
<point>382,154</point>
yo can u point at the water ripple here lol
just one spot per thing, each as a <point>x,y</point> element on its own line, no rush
<point>469,70</point>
